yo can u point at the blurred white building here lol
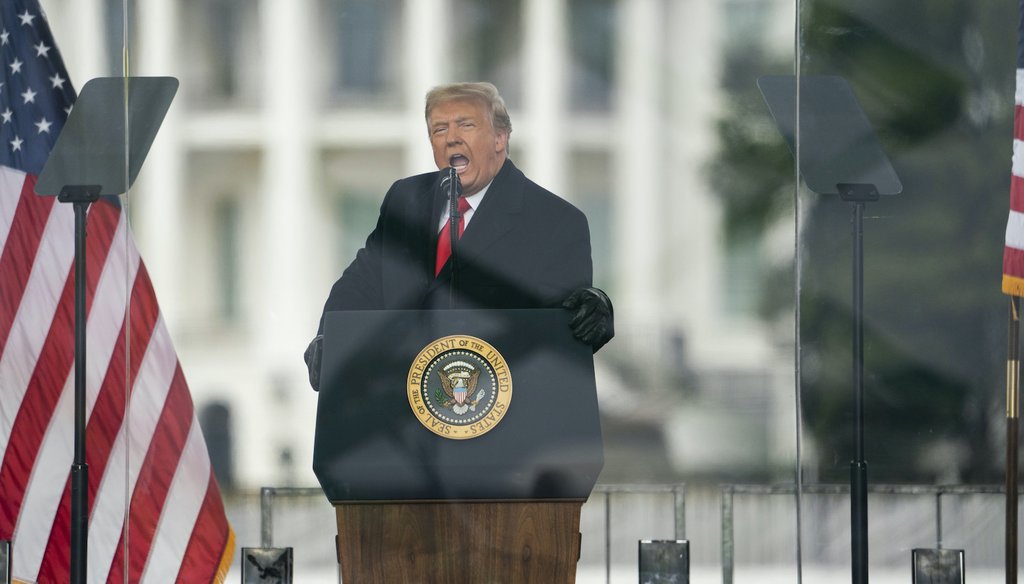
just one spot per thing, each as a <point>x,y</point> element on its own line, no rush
<point>294,117</point>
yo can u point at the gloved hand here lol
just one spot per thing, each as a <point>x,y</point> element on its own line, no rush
<point>592,316</point>
<point>312,357</point>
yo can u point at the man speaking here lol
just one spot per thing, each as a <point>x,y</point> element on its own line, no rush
<point>476,234</point>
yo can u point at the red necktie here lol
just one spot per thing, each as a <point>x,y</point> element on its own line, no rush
<point>444,240</point>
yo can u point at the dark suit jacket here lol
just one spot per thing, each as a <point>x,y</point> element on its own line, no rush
<point>524,248</point>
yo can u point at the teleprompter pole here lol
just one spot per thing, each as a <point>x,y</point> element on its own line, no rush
<point>81,197</point>
<point>1012,436</point>
<point>859,467</point>
<point>839,152</point>
<point>858,194</point>
<point>100,150</point>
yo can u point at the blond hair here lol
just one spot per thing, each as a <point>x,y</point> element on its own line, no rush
<point>481,91</point>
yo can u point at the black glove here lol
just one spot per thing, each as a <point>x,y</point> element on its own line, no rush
<point>592,317</point>
<point>312,357</point>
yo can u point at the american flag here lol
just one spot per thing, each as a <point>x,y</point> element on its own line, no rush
<point>155,508</point>
<point>1013,252</point>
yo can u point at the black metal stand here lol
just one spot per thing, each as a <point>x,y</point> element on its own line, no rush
<point>453,238</point>
<point>840,154</point>
<point>454,217</point>
<point>81,197</point>
<point>99,151</point>
<point>859,195</point>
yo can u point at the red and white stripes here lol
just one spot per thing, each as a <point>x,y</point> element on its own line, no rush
<point>149,474</point>
<point>1013,252</point>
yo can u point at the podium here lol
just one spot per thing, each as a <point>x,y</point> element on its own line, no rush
<point>456,446</point>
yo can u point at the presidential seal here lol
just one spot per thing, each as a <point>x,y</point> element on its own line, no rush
<point>459,387</point>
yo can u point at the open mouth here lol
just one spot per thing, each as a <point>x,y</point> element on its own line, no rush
<point>459,162</point>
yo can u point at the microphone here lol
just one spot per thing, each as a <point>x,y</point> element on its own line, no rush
<point>449,178</point>
<point>450,182</point>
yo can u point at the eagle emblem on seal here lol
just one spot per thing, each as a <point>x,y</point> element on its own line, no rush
<point>459,387</point>
<point>459,380</point>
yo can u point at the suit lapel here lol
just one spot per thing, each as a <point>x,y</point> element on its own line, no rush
<point>497,214</point>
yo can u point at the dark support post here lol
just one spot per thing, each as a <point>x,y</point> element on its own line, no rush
<point>859,467</point>
<point>100,150</point>
<point>858,194</point>
<point>79,468</point>
<point>728,543</point>
<point>81,197</point>
<point>838,154</point>
<point>5,561</point>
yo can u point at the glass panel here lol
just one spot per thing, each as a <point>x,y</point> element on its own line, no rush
<point>271,170</point>
<point>173,505</point>
<point>249,205</point>
<point>937,92</point>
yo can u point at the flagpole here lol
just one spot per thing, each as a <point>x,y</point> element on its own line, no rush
<point>1012,433</point>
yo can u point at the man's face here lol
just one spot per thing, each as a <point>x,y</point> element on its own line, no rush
<point>462,137</point>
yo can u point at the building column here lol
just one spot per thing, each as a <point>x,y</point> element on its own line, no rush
<point>289,186</point>
<point>283,321</point>
<point>698,275</point>
<point>546,46</point>
<point>425,64</point>
<point>158,210</point>
<point>639,161</point>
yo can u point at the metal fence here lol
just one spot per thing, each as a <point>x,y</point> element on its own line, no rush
<point>617,516</point>
<point>984,538</point>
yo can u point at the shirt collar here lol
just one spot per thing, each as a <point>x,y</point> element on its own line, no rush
<point>474,200</point>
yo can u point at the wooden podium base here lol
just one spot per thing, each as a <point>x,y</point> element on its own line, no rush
<point>507,542</point>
